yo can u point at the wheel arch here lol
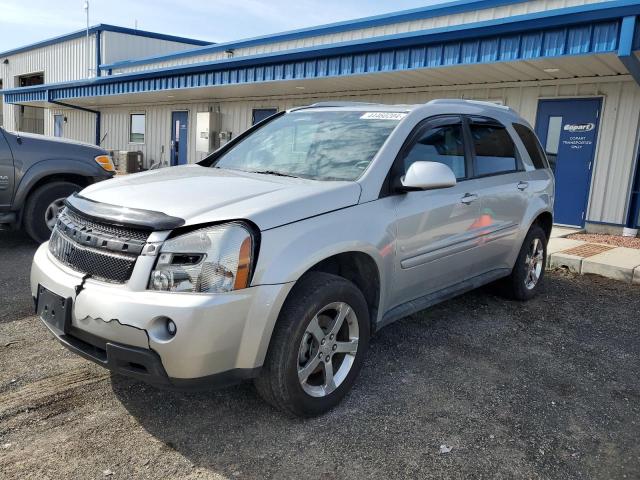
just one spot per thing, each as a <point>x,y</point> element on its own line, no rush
<point>361,269</point>
<point>47,171</point>
<point>545,220</point>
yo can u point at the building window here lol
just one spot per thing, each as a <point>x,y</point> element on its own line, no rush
<point>260,114</point>
<point>137,127</point>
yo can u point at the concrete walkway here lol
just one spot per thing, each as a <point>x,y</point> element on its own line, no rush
<point>582,257</point>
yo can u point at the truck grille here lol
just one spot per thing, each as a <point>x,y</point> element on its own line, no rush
<point>105,252</point>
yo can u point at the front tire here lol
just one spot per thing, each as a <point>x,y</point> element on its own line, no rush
<point>528,272</point>
<point>43,207</point>
<point>318,346</point>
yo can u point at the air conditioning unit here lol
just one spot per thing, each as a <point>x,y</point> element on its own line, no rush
<point>130,162</point>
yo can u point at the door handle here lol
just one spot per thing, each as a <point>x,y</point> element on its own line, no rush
<point>468,198</point>
<point>522,185</point>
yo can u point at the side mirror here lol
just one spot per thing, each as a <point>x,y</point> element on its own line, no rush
<point>428,176</point>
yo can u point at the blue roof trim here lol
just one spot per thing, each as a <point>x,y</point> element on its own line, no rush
<point>625,51</point>
<point>463,46</point>
<point>103,28</point>
<point>449,8</point>
<point>407,15</point>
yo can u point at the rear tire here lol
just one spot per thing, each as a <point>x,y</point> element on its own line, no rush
<point>310,342</point>
<point>528,272</point>
<point>42,207</point>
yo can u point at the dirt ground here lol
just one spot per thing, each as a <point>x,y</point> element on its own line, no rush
<point>546,389</point>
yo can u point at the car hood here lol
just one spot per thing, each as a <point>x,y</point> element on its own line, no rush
<point>202,194</point>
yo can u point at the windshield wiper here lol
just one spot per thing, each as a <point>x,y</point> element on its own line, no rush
<point>274,172</point>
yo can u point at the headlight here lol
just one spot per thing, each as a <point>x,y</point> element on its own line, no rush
<point>105,162</point>
<point>209,260</point>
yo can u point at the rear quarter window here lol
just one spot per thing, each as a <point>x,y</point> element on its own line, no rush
<point>532,145</point>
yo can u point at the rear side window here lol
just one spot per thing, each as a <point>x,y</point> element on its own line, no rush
<point>495,152</point>
<point>532,145</point>
<point>442,144</point>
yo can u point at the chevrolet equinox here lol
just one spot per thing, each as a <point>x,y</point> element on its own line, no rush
<point>279,255</point>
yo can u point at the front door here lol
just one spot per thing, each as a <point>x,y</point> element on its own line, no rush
<point>436,232</point>
<point>568,130</point>
<point>179,138</point>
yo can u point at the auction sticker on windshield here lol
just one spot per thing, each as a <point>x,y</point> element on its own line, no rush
<point>383,116</point>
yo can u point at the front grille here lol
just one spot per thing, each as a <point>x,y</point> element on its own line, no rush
<point>104,228</point>
<point>105,252</point>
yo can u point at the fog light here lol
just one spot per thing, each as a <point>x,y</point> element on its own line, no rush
<point>171,327</point>
<point>161,280</point>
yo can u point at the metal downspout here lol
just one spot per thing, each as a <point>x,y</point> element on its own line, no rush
<point>98,54</point>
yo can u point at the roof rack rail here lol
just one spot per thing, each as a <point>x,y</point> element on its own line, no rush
<point>463,101</point>
<point>332,104</point>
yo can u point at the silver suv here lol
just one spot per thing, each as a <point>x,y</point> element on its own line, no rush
<point>278,256</point>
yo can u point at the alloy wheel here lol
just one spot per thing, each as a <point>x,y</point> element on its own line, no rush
<point>328,349</point>
<point>534,263</point>
<point>52,212</point>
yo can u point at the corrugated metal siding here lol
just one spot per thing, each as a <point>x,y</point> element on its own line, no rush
<point>79,126</point>
<point>434,22</point>
<point>118,46</point>
<point>60,62</point>
<point>616,145</point>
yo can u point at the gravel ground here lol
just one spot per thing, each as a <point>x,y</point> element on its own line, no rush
<point>615,240</point>
<point>546,389</point>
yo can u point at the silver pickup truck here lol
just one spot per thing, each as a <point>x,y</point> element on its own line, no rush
<point>278,256</point>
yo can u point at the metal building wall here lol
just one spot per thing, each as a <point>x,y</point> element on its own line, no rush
<point>428,23</point>
<point>116,46</point>
<point>79,126</point>
<point>60,62</point>
<point>614,158</point>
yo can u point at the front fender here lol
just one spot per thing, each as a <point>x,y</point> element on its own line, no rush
<point>287,252</point>
<point>49,167</point>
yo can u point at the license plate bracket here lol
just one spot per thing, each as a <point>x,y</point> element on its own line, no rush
<point>54,309</point>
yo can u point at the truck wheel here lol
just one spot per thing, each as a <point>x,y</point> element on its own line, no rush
<point>318,346</point>
<point>43,207</point>
<point>528,272</point>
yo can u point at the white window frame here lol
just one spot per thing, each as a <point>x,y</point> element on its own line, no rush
<point>144,135</point>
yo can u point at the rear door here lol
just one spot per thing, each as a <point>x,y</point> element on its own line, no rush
<point>6,172</point>
<point>503,190</point>
<point>436,237</point>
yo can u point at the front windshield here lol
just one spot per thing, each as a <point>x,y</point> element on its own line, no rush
<point>329,145</point>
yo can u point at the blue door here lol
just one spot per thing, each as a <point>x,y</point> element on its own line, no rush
<point>260,114</point>
<point>179,138</point>
<point>568,130</point>
<point>58,122</point>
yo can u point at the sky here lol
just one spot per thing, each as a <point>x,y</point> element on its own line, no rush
<point>27,21</point>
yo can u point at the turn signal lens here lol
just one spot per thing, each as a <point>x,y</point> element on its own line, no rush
<point>244,265</point>
<point>105,162</point>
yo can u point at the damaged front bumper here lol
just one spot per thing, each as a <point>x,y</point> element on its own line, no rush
<point>219,339</point>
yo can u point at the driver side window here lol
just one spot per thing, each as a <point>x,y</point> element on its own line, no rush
<point>440,143</point>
